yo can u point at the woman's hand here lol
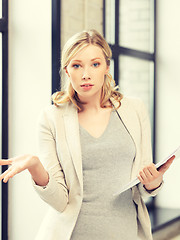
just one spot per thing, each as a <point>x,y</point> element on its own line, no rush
<point>21,163</point>
<point>17,165</point>
<point>151,177</point>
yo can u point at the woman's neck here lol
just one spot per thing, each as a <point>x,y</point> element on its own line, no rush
<point>93,106</point>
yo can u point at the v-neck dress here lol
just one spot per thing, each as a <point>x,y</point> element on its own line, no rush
<point>107,163</point>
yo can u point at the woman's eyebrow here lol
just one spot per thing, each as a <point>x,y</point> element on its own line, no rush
<point>95,59</point>
<point>76,60</point>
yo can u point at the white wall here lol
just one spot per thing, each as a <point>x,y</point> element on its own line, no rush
<point>29,91</point>
<point>168,96</point>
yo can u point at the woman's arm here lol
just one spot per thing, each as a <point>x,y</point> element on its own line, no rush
<point>55,193</point>
<point>150,177</point>
<point>48,176</point>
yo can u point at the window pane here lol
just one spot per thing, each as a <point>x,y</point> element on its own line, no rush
<point>0,8</point>
<point>110,21</point>
<point>111,69</point>
<point>137,24</point>
<point>136,79</point>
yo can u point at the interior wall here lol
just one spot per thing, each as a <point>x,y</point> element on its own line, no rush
<point>168,97</point>
<point>29,92</point>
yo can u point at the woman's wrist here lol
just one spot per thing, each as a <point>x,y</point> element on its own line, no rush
<point>152,187</point>
<point>34,162</point>
<point>38,172</point>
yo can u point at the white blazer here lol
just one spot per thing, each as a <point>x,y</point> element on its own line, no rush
<point>60,153</point>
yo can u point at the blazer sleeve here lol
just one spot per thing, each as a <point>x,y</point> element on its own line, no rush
<point>55,193</point>
<point>146,147</point>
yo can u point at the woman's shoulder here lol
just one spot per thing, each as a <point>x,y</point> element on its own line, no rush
<point>134,104</point>
<point>131,100</point>
<point>128,102</point>
<point>56,109</point>
<point>52,112</point>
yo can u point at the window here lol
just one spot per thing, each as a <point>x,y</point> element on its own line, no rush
<point>129,28</point>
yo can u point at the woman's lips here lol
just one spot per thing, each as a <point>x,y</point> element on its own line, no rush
<point>87,86</point>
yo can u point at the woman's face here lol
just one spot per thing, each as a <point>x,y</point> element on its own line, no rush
<point>86,71</point>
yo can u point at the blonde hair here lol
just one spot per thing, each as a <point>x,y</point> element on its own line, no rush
<point>75,44</point>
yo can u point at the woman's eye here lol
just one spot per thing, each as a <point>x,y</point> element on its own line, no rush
<point>96,64</point>
<point>76,66</point>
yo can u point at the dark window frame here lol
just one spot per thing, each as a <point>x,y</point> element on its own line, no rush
<point>4,194</point>
<point>118,50</point>
<point>56,44</point>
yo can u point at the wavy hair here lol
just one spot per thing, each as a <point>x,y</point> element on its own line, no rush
<point>75,44</point>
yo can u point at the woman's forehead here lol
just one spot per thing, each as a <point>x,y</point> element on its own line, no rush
<point>89,52</point>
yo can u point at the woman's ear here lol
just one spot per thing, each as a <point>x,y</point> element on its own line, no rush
<point>107,70</point>
<point>66,71</point>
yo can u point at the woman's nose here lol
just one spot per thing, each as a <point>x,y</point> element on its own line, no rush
<point>86,75</point>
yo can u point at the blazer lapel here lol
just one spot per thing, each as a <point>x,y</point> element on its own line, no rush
<point>131,122</point>
<point>128,117</point>
<point>73,139</point>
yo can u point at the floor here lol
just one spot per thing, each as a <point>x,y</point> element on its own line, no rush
<point>170,232</point>
<point>176,238</point>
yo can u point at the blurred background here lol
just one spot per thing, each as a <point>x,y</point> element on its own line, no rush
<point>144,36</point>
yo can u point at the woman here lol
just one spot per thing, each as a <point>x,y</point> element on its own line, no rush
<point>92,141</point>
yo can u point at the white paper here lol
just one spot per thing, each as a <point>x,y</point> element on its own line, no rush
<point>131,184</point>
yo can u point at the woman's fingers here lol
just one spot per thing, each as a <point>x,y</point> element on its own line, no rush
<point>166,165</point>
<point>4,173</point>
<point>148,174</point>
<point>150,177</point>
<point>5,162</point>
<point>10,174</point>
<point>11,171</point>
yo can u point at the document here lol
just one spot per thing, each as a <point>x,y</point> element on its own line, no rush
<point>131,184</point>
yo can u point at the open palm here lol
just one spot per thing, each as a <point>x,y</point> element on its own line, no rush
<point>17,165</point>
